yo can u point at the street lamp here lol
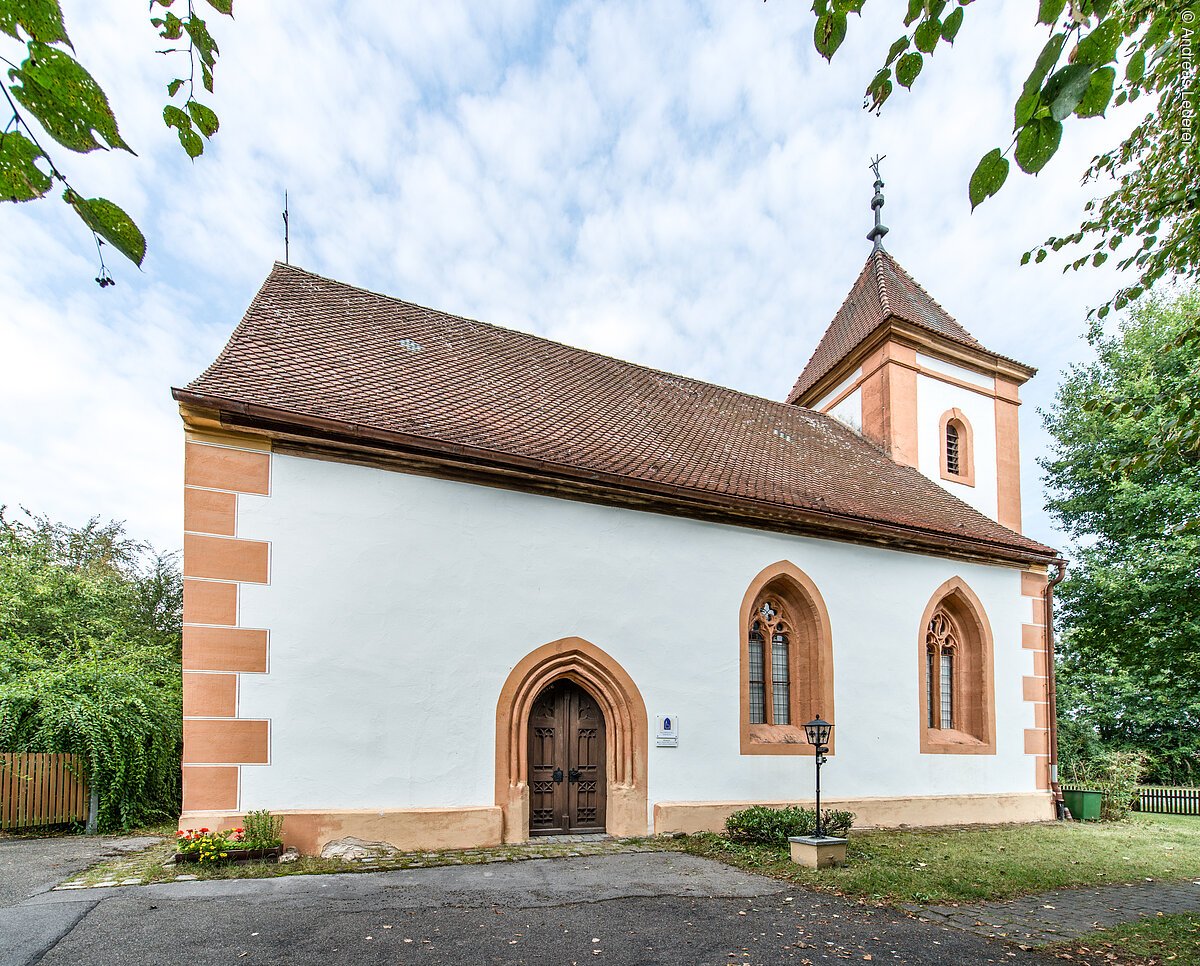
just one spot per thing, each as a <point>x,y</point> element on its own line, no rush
<point>817,731</point>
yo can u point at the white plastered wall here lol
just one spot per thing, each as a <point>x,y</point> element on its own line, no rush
<point>849,410</point>
<point>934,399</point>
<point>398,604</point>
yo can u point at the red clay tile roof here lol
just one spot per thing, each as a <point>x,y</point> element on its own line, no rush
<point>883,290</point>
<point>318,348</point>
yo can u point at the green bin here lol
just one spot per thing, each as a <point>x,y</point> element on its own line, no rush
<point>1084,805</point>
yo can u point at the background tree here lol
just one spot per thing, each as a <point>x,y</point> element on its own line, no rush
<point>90,635</point>
<point>50,86</point>
<point>1129,676</point>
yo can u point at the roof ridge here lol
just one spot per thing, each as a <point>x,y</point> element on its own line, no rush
<point>432,312</point>
<point>884,302</point>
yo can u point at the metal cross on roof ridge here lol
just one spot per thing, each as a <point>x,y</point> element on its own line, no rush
<point>875,235</point>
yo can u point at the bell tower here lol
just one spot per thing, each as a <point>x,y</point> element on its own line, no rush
<point>898,368</point>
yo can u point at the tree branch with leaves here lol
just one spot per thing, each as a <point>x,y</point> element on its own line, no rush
<point>51,88</point>
<point>1099,54</point>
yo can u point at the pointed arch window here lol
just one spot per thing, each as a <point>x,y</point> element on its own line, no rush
<point>957,704</point>
<point>771,677</point>
<point>786,662</point>
<point>941,644</point>
<point>958,450</point>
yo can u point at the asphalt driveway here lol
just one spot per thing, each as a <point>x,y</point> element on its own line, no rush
<point>630,909</point>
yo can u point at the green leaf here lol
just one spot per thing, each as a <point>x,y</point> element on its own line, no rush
<point>989,177</point>
<point>927,35</point>
<point>42,20</point>
<point>908,68</point>
<point>829,34</point>
<point>207,48</point>
<point>879,90</point>
<point>1050,10</point>
<point>205,118</point>
<point>952,24</point>
<point>65,99</point>
<point>110,223</point>
<point>20,177</point>
<point>222,6</point>
<point>1099,93</point>
<point>1037,142</point>
<point>1046,59</point>
<point>897,48</point>
<point>1100,46</point>
<point>915,9</point>
<point>206,76</point>
<point>1024,108</point>
<point>173,87</point>
<point>1135,70</point>
<point>190,140</point>
<point>172,27</point>
<point>1065,89</point>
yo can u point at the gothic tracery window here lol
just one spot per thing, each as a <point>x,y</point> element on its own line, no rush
<point>770,676</point>
<point>941,648</point>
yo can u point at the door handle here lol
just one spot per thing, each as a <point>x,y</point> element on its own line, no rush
<point>557,776</point>
<point>573,775</point>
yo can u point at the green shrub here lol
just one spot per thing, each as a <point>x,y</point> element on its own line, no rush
<point>262,830</point>
<point>90,625</point>
<point>1115,773</point>
<point>774,826</point>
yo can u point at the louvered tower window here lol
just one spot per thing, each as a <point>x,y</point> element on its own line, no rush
<point>953,455</point>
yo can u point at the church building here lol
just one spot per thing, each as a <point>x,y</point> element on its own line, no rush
<point>453,585</point>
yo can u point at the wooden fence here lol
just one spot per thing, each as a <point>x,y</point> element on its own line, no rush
<point>1169,801</point>
<point>1156,799</point>
<point>41,790</point>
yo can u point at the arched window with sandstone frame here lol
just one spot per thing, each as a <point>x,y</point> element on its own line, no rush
<point>957,714</point>
<point>786,658</point>
<point>957,442</point>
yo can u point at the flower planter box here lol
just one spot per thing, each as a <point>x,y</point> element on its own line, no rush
<point>236,855</point>
<point>817,853</point>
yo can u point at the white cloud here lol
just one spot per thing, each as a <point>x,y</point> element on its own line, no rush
<point>681,184</point>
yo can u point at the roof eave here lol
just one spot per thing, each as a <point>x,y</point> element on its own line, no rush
<point>345,440</point>
<point>921,338</point>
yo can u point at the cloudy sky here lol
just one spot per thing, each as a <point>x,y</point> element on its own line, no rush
<point>682,184</point>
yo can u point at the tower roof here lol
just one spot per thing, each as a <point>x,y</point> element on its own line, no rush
<point>883,291</point>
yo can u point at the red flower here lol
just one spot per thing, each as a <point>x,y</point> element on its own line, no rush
<point>204,830</point>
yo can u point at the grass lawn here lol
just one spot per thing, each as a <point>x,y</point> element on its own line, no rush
<point>1164,939</point>
<point>909,866</point>
<point>975,864</point>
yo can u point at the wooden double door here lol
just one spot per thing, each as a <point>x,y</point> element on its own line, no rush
<point>567,783</point>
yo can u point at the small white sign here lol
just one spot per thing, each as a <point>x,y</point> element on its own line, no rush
<point>668,731</point>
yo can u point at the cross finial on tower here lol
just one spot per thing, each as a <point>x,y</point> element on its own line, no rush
<point>876,234</point>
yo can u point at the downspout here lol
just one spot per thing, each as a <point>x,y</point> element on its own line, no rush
<point>1060,809</point>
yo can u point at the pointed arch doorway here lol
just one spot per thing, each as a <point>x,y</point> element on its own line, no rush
<point>568,791</point>
<point>622,746</point>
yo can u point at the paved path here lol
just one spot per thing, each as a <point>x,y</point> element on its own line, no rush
<point>635,909</point>
<point>31,867</point>
<point>1068,913</point>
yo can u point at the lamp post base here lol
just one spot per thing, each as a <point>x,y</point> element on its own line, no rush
<point>818,852</point>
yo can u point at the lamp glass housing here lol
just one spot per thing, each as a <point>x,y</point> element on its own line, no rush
<point>817,731</point>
